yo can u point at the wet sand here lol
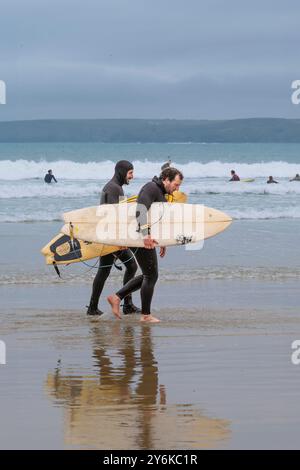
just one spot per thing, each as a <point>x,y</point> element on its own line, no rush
<point>215,373</point>
<point>203,378</point>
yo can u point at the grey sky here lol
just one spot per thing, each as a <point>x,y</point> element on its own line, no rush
<point>213,59</point>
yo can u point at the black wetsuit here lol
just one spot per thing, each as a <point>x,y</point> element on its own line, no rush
<point>48,178</point>
<point>153,191</point>
<point>111,194</point>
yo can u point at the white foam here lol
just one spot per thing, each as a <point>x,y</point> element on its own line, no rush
<point>80,274</point>
<point>33,189</point>
<point>265,214</point>
<point>35,216</point>
<point>258,187</point>
<point>69,170</point>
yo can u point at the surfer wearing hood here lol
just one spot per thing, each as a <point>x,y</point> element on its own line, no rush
<point>111,194</point>
<point>155,191</point>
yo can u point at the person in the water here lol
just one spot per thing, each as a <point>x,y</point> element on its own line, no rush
<point>296,178</point>
<point>166,165</point>
<point>111,194</point>
<point>49,177</point>
<point>271,180</point>
<point>234,176</point>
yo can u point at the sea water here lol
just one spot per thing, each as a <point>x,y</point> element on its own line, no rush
<point>83,168</point>
<point>264,236</point>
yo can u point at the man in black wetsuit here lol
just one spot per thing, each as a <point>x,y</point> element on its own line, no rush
<point>49,177</point>
<point>234,176</point>
<point>271,180</point>
<point>166,165</point>
<point>111,194</point>
<point>154,191</point>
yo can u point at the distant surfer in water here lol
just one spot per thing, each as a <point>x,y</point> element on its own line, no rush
<point>167,164</point>
<point>234,176</point>
<point>111,194</point>
<point>154,191</point>
<point>297,178</point>
<point>49,177</point>
<point>271,180</point>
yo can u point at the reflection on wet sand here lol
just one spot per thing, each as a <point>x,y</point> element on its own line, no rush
<point>122,405</point>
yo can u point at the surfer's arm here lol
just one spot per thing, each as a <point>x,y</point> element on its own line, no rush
<point>53,177</point>
<point>145,200</point>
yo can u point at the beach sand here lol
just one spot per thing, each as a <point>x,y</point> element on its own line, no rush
<point>215,373</point>
<point>201,379</point>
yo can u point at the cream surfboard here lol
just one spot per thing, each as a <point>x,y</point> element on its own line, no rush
<point>63,249</point>
<point>171,224</point>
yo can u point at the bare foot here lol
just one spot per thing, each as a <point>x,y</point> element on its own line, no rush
<point>114,302</point>
<point>149,319</point>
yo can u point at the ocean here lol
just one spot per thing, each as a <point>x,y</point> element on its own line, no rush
<point>83,168</point>
<point>261,244</point>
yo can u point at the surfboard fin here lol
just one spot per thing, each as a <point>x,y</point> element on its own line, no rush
<point>57,270</point>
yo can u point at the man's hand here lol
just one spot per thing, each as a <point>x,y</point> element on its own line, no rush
<point>149,243</point>
<point>162,251</point>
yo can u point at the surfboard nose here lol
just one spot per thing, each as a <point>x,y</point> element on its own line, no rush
<point>215,221</point>
<point>215,215</point>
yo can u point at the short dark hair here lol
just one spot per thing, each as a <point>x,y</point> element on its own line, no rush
<point>170,174</point>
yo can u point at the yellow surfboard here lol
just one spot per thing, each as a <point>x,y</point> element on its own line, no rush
<point>63,249</point>
<point>177,196</point>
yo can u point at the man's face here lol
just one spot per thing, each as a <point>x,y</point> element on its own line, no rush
<point>171,186</point>
<point>129,176</point>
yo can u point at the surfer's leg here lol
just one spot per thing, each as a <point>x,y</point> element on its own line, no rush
<point>115,299</point>
<point>147,260</point>
<point>131,286</point>
<point>104,269</point>
<point>127,258</point>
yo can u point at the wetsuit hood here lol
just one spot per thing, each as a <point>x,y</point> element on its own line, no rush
<point>121,170</point>
<point>159,183</point>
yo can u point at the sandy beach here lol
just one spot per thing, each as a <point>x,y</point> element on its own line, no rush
<point>216,373</point>
<point>201,379</point>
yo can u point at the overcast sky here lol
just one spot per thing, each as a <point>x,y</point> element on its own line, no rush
<point>200,59</point>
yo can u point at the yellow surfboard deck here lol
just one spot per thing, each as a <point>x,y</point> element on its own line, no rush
<point>64,250</point>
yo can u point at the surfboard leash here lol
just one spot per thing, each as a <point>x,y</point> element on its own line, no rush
<point>94,266</point>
